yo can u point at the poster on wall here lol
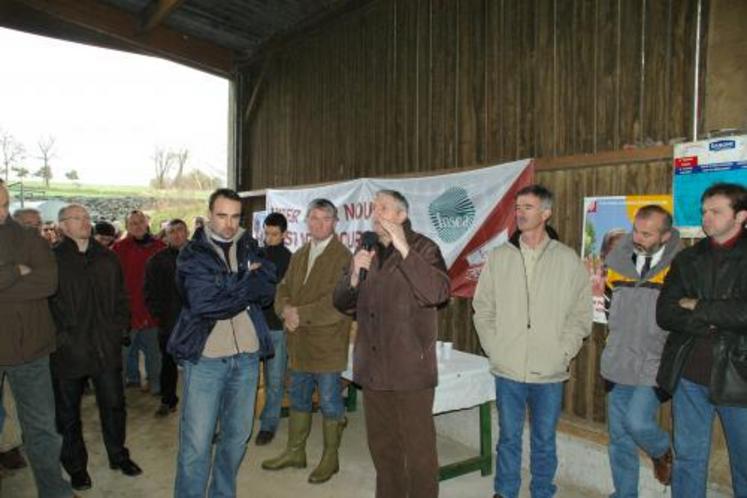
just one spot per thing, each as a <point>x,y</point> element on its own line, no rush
<point>698,165</point>
<point>466,214</point>
<point>606,220</point>
<point>258,229</point>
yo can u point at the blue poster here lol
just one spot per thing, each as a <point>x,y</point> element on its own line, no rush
<point>698,165</point>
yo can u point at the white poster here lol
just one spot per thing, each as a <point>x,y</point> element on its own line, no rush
<point>466,214</point>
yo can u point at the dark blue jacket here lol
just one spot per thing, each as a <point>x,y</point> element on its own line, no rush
<point>211,292</point>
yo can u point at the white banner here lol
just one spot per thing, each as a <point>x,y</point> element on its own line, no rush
<point>466,214</point>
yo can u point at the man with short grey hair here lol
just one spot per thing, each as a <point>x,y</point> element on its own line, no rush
<point>29,217</point>
<point>28,276</point>
<point>530,332</point>
<point>395,348</point>
<point>317,341</point>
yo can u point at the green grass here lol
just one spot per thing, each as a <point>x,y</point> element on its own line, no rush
<point>84,190</point>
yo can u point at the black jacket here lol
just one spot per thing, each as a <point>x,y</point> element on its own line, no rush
<point>721,312</point>
<point>280,256</point>
<point>90,309</point>
<point>161,294</point>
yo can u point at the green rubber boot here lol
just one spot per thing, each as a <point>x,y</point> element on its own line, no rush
<point>329,465</point>
<point>299,426</point>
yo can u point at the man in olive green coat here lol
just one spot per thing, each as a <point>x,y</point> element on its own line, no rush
<point>318,337</point>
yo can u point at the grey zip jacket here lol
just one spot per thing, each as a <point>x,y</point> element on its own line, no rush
<point>635,342</point>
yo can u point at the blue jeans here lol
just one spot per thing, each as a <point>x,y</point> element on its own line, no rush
<point>216,391</point>
<point>147,341</point>
<point>631,415</point>
<point>330,393</point>
<point>31,384</point>
<point>544,402</point>
<point>693,421</point>
<point>274,383</point>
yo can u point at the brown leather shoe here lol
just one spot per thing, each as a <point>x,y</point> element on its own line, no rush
<point>663,468</point>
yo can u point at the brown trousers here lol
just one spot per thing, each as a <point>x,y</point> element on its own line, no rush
<point>402,441</point>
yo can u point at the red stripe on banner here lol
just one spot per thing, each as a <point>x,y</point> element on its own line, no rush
<point>463,274</point>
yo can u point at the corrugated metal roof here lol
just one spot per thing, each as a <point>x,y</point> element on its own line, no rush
<point>241,25</point>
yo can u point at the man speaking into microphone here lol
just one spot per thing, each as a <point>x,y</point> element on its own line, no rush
<point>395,348</point>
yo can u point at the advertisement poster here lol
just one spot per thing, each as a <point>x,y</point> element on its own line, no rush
<point>698,165</point>
<point>606,220</point>
<point>466,213</point>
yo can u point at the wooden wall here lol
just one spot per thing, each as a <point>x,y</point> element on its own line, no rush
<point>419,85</point>
<point>410,86</point>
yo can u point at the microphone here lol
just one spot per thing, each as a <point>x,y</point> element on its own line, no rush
<point>368,242</point>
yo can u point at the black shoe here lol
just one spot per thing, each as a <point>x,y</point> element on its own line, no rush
<point>12,460</point>
<point>165,410</point>
<point>264,437</point>
<point>80,480</point>
<point>127,466</point>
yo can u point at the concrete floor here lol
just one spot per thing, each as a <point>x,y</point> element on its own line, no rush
<point>152,443</point>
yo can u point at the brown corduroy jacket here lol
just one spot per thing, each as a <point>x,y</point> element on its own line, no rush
<point>396,309</point>
<point>27,331</point>
<point>320,343</point>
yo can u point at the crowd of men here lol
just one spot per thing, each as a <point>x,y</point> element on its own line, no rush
<point>79,302</point>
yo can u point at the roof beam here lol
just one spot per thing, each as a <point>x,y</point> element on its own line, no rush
<point>157,11</point>
<point>125,27</point>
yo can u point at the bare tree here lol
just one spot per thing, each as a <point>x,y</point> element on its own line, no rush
<point>180,157</point>
<point>13,152</point>
<point>20,171</point>
<point>46,146</point>
<point>163,161</point>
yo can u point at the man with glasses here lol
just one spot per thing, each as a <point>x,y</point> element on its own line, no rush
<point>92,315</point>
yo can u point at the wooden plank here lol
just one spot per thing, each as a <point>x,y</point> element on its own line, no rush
<point>157,11</point>
<point>545,79</point>
<point>443,83</point>
<point>494,81</point>
<point>582,126</point>
<point>470,101</point>
<point>630,72</point>
<point>657,71</point>
<point>528,113</point>
<point>125,27</point>
<point>607,76</point>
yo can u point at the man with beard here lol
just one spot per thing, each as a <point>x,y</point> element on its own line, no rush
<point>533,309</point>
<point>636,268</point>
<point>703,305</point>
<point>395,348</point>
<point>164,303</point>
<point>133,252</point>
<point>92,316</point>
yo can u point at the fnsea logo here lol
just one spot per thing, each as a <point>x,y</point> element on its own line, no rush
<point>452,214</point>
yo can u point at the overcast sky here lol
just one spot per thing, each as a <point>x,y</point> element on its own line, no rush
<point>108,110</point>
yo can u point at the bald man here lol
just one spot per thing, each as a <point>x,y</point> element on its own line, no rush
<point>28,276</point>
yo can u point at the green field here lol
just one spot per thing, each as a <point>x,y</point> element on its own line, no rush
<point>84,190</point>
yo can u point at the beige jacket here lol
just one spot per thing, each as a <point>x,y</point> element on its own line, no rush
<point>531,330</point>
